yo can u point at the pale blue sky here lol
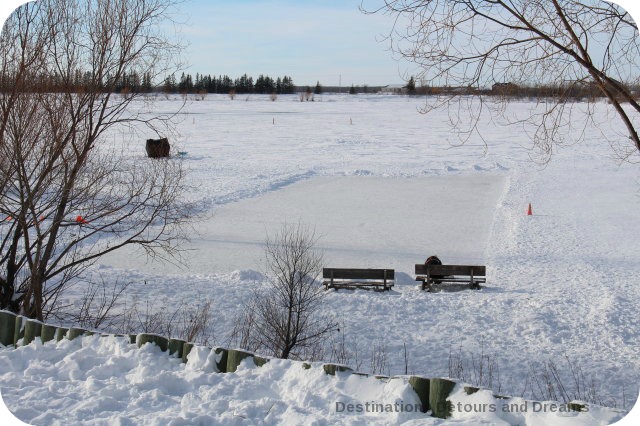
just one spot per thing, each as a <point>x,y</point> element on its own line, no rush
<point>329,41</point>
<point>307,40</point>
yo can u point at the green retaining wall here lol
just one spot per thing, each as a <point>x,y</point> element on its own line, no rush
<point>18,333</point>
<point>222,356</point>
<point>7,327</point>
<point>421,386</point>
<point>331,369</point>
<point>439,391</point>
<point>434,394</point>
<point>73,332</point>
<point>175,347</point>
<point>32,329</point>
<point>186,348</point>
<point>161,342</point>
<point>61,333</point>
<point>47,333</point>
<point>234,358</point>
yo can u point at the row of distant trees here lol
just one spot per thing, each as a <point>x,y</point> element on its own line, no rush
<point>133,82</point>
<point>565,91</point>
<point>79,81</point>
<point>224,84</point>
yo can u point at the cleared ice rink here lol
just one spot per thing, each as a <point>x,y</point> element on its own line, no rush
<point>366,222</point>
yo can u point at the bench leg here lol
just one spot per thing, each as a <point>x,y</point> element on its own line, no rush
<point>428,285</point>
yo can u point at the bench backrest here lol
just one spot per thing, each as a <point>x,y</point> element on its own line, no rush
<point>478,271</point>
<point>363,274</point>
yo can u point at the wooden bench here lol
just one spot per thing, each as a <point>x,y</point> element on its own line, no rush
<point>352,278</point>
<point>472,274</point>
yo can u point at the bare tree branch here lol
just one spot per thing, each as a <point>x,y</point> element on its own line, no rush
<point>70,198</point>
<point>477,43</point>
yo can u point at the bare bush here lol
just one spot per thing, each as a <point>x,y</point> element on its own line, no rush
<point>550,381</point>
<point>285,317</point>
<point>185,321</point>
<point>380,358</point>
<point>148,321</point>
<point>244,329</point>
<point>201,95</point>
<point>343,350</point>
<point>545,381</point>
<point>406,358</point>
<point>98,306</point>
<point>195,324</point>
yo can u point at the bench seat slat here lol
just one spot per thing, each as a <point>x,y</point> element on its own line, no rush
<point>358,283</point>
<point>478,270</point>
<point>363,274</point>
<point>471,274</point>
<point>352,278</point>
<point>454,280</point>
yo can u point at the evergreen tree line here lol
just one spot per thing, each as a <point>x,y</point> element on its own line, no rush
<point>133,82</point>
<point>224,84</point>
<point>81,81</point>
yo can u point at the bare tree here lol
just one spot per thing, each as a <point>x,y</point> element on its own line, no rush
<point>66,197</point>
<point>285,317</point>
<point>569,43</point>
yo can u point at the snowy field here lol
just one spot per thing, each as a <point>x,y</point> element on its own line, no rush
<point>384,188</point>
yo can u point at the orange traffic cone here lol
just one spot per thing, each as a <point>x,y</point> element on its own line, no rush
<point>529,211</point>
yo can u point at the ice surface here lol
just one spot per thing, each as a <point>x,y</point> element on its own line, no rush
<point>366,222</point>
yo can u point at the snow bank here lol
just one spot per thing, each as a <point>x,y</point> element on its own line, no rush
<point>107,380</point>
